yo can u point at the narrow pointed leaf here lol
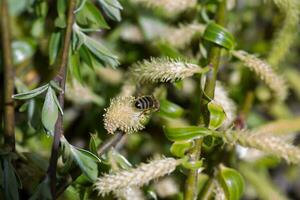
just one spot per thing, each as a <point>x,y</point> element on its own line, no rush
<point>54,46</point>
<point>111,8</point>
<point>32,93</point>
<point>180,148</point>
<point>57,103</point>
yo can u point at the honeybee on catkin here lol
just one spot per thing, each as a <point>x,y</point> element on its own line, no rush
<point>147,103</point>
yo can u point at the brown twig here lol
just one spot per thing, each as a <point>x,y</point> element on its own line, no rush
<point>76,172</point>
<point>9,117</point>
<point>60,78</point>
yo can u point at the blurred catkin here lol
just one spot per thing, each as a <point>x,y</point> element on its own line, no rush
<point>181,36</point>
<point>268,144</point>
<point>122,115</point>
<point>218,190</point>
<point>170,6</point>
<point>287,34</point>
<point>221,97</point>
<point>280,127</point>
<point>265,72</point>
<point>136,177</point>
<point>163,70</point>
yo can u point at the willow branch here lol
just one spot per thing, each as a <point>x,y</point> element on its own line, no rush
<point>9,116</point>
<point>191,191</point>
<point>60,78</point>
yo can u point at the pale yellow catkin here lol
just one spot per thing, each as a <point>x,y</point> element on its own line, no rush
<point>170,6</point>
<point>163,70</point>
<point>265,72</point>
<point>136,177</point>
<point>122,115</point>
<point>287,34</point>
<point>270,144</point>
<point>280,127</point>
<point>221,97</point>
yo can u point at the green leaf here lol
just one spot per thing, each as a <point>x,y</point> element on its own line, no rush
<point>120,159</point>
<point>219,35</point>
<point>61,7</point>
<point>232,182</point>
<point>111,8</point>
<point>74,66</point>
<point>87,162</point>
<point>32,93</point>
<point>86,56</point>
<point>38,28</point>
<point>170,109</point>
<point>180,148</point>
<point>94,143</point>
<point>49,112</point>
<point>80,6</point>
<point>193,165</point>
<point>217,115</point>
<point>186,133</point>
<point>55,86</point>
<point>90,16</point>
<point>54,46</point>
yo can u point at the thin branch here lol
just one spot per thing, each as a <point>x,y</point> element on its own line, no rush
<point>191,191</point>
<point>9,116</point>
<point>61,80</point>
<point>76,172</point>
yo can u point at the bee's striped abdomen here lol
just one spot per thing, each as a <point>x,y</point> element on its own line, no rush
<point>146,103</point>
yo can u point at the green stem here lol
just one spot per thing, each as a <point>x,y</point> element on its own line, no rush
<point>191,187</point>
<point>9,116</point>
<point>60,78</point>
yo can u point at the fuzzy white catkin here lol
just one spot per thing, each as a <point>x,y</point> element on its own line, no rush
<point>163,70</point>
<point>270,144</point>
<point>221,97</point>
<point>136,177</point>
<point>122,115</point>
<point>287,34</point>
<point>265,72</point>
<point>170,6</point>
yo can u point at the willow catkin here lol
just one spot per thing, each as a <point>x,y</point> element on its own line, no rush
<point>287,34</point>
<point>265,72</point>
<point>221,97</point>
<point>163,70</point>
<point>136,177</point>
<point>270,144</point>
<point>280,127</point>
<point>170,6</point>
<point>179,37</point>
<point>122,115</point>
<point>218,190</point>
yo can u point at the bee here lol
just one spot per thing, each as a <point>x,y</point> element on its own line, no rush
<point>147,103</point>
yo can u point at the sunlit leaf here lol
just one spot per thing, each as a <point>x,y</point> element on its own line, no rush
<point>219,35</point>
<point>22,50</point>
<point>111,8</point>
<point>232,182</point>
<point>217,115</point>
<point>32,93</point>
<point>186,133</point>
<point>49,112</point>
